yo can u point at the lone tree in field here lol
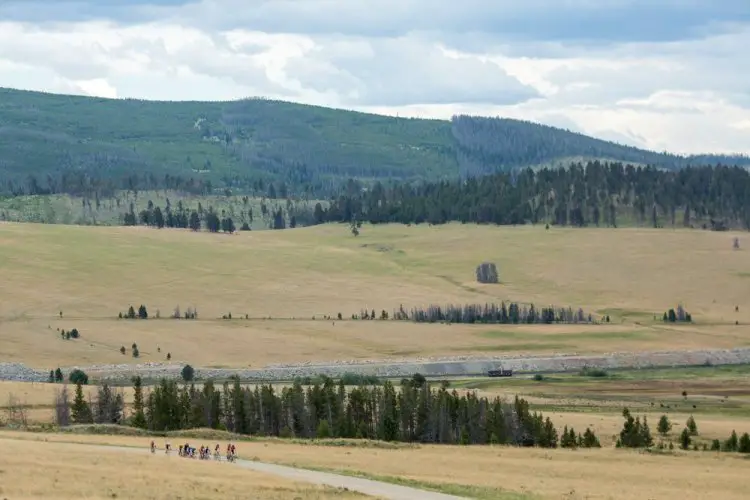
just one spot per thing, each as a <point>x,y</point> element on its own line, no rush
<point>487,273</point>
<point>187,373</point>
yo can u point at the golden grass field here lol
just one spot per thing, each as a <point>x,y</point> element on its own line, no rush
<point>60,471</point>
<point>592,474</point>
<point>92,273</point>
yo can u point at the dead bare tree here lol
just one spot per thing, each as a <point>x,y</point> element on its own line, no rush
<point>62,407</point>
<point>17,412</point>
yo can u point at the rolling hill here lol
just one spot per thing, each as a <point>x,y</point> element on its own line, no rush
<point>62,143</point>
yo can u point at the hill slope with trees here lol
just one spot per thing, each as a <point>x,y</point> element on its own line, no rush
<point>78,145</point>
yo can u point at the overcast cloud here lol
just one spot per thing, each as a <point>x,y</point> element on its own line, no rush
<point>662,74</point>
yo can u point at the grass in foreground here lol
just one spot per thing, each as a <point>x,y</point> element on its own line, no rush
<point>597,474</point>
<point>71,471</point>
<point>92,273</point>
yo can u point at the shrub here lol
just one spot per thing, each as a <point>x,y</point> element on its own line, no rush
<point>74,333</point>
<point>323,430</point>
<point>715,445</point>
<point>136,352</point>
<point>58,375</point>
<point>538,377</point>
<point>142,312</point>
<point>594,372</point>
<point>122,350</point>
<point>187,373</point>
<point>78,377</point>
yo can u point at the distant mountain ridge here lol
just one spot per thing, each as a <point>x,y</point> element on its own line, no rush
<point>50,142</point>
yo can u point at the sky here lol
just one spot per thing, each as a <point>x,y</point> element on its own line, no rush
<point>668,75</point>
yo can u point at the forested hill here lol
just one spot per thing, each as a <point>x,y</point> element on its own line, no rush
<point>74,144</point>
<point>595,194</point>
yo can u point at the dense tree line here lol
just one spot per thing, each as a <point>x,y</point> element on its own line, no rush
<point>487,145</point>
<point>512,313</point>
<point>416,412</point>
<point>581,195</point>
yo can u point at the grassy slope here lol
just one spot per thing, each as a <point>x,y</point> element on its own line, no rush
<point>92,273</point>
<point>83,471</point>
<point>619,474</point>
<point>43,133</point>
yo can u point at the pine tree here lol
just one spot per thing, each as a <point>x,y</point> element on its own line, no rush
<point>139,418</point>
<point>685,439</point>
<point>80,411</point>
<point>691,426</point>
<point>664,426</point>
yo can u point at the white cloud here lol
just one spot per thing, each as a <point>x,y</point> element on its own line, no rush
<point>684,93</point>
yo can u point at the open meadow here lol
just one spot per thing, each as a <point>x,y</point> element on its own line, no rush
<point>488,472</point>
<point>90,274</point>
<point>59,470</point>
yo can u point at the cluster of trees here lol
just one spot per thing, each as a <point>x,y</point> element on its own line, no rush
<point>69,334</point>
<point>142,313</point>
<point>416,412</point>
<point>276,217</point>
<point>680,315</point>
<point>512,313</point>
<point>580,195</point>
<point>132,314</point>
<point>107,407</point>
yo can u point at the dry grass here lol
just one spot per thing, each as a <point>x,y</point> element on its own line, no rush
<point>73,471</point>
<point>92,273</point>
<point>594,474</point>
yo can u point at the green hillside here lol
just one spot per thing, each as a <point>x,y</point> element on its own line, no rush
<point>60,143</point>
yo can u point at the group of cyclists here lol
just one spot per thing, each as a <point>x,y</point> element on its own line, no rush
<point>203,453</point>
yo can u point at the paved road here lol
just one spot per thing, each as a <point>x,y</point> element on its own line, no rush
<point>366,486</point>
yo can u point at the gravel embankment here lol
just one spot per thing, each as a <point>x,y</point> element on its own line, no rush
<point>432,367</point>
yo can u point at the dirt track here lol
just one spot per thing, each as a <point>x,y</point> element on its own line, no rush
<point>365,486</point>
